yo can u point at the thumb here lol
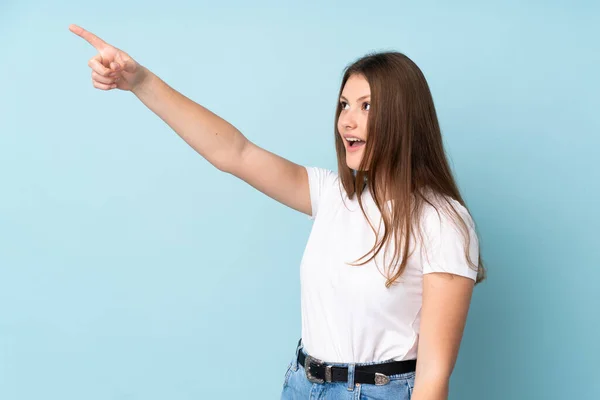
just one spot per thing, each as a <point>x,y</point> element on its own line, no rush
<point>124,63</point>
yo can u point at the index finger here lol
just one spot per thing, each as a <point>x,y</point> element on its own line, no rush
<point>92,39</point>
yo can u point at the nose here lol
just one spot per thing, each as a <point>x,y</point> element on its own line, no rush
<point>348,120</point>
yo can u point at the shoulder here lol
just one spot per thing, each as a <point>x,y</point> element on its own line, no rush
<point>321,180</point>
<point>444,212</point>
<point>450,242</point>
<point>320,183</point>
<point>321,176</point>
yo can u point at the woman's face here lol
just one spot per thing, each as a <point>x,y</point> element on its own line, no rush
<point>352,123</point>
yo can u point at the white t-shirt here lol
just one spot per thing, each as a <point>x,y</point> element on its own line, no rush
<point>348,315</point>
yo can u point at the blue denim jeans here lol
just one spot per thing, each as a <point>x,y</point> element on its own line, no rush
<point>296,385</point>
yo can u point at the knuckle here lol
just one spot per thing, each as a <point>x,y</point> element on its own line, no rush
<point>98,85</point>
<point>97,77</point>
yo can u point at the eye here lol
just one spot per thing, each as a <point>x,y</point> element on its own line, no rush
<point>343,104</point>
<point>366,106</point>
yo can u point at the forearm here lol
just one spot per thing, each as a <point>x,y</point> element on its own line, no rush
<point>212,137</point>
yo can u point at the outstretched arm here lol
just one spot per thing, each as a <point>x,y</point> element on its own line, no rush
<point>215,139</point>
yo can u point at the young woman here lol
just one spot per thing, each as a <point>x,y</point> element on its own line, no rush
<point>393,256</point>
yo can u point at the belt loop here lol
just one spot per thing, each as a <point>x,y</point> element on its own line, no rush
<point>298,347</point>
<point>351,368</point>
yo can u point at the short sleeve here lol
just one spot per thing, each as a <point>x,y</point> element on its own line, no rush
<point>444,242</point>
<point>320,180</point>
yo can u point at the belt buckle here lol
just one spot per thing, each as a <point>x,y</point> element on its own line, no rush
<point>381,379</point>
<point>311,360</point>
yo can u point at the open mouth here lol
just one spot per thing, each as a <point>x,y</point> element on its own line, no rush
<point>355,143</point>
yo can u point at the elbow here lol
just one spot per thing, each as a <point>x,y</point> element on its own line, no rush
<point>230,160</point>
<point>222,165</point>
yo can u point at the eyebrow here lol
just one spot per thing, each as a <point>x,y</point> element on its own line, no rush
<point>359,99</point>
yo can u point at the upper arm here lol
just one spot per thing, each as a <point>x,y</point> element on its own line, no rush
<point>446,299</point>
<point>273,175</point>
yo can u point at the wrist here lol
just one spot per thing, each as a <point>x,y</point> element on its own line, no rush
<point>142,82</point>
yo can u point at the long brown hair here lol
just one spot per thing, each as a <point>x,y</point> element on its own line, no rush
<point>403,159</point>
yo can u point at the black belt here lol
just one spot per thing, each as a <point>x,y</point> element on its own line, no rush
<point>318,371</point>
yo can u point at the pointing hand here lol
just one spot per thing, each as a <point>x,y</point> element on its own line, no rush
<point>111,68</point>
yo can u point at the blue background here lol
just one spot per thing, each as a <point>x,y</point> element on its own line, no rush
<point>130,268</point>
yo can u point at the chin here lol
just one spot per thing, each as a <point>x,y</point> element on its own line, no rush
<point>353,164</point>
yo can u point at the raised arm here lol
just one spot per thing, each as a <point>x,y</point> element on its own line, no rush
<point>215,139</point>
